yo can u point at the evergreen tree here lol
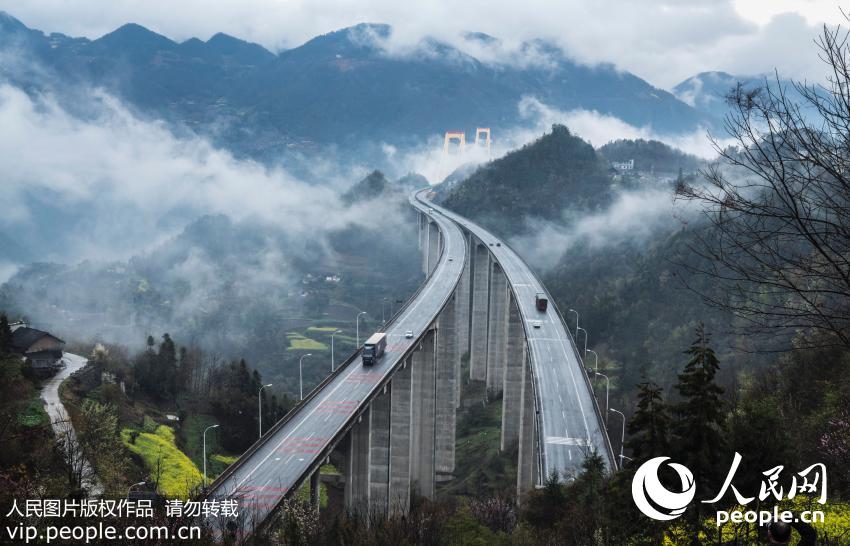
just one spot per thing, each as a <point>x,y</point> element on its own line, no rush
<point>698,430</point>
<point>543,508</point>
<point>234,404</point>
<point>166,366</point>
<point>5,335</point>
<point>144,368</point>
<point>585,515</point>
<point>649,426</point>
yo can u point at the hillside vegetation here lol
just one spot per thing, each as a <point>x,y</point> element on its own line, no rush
<point>177,475</point>
<point>558,172</point>
<point>650,156</point>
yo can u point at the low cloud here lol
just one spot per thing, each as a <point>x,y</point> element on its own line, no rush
<point>429,159</point>
<point>467,48</point>
<point>634,217</point>
<point>123,184</point>
<point>159,232</point>
<point>600,129</point>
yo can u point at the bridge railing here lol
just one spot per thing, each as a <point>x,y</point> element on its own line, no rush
<point>224,476</point>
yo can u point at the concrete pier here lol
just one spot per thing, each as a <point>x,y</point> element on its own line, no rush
<point>515,363</point>
<point>480,305</point>
<point>434,244</point>
<point>448,362</point>
<point>400,438</point>
<point>463,305</point>
<point>314,489</point>
<point>379,454</point>
<point>357,465</point>
<point>527,463</point>
<point>497,330</point>
<point>423,241</point>
<point>422,429</point>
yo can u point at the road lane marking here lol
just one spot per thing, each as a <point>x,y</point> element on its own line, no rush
<point>567,441</point>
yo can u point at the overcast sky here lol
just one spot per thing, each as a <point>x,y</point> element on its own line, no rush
<point>661,41</point>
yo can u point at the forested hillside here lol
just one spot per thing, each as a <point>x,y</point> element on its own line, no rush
<point>557,174</point>
<point>650,156</point>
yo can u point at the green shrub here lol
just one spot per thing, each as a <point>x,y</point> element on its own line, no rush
<point>149,425</point>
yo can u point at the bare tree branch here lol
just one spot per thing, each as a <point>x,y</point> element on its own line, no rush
<point>779,207</point>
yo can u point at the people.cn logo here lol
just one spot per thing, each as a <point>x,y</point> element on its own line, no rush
<point>655,500</point>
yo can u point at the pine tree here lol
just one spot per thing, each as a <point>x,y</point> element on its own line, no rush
<point>649,427</point>
<point>5,335</point>
<point>649,436</point>
<point>698,430</point>
<point>166,367</point>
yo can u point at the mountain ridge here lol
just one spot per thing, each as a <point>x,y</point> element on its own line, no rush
<point>343,88</point>
<point>556,173</point>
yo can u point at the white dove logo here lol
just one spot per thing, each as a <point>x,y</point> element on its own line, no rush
<point>646,484</point>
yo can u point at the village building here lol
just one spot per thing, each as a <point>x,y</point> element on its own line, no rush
<point>41,349</point>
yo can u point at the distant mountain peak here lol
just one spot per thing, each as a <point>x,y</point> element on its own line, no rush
<point>7,22</point>
<point>480,37</point>
<point>381,29</point>
<point>714,74</point>
<point>373,185</point>
<point>221,37</point>
<point>559,171</point>
<point>707,91</point>
<point>225,43</point>
<point>135,35</point>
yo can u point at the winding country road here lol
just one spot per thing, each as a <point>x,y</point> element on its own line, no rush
<point>59,418</point>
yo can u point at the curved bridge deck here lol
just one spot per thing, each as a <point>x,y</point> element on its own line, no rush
<point>394,422</point>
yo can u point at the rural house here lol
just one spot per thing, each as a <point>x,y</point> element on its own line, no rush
<point>43,350</point>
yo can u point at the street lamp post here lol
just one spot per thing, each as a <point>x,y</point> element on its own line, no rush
<point>332,348</point>
<point>576,312</point>
<point>607,389</point>
<point>585,338</point>
<point>132,486</point>
<point>301,375</point>
<point>205,452</point>
<point>383,316</point>
<point>260,405</point>
<point>622,436</point>
<point>358,327</point>
<point>595,360</point>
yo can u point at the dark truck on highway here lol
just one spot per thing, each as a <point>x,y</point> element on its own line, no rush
<point>541,302</point>
<point>374,347</point>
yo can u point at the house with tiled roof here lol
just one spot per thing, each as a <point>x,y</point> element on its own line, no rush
<point>42,349</point>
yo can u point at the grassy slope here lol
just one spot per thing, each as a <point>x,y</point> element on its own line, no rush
<point>481,469</point>
<point>179,475</point>
<point>33,415</point>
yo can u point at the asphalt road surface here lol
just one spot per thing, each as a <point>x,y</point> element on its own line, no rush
<point>59,419</point>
